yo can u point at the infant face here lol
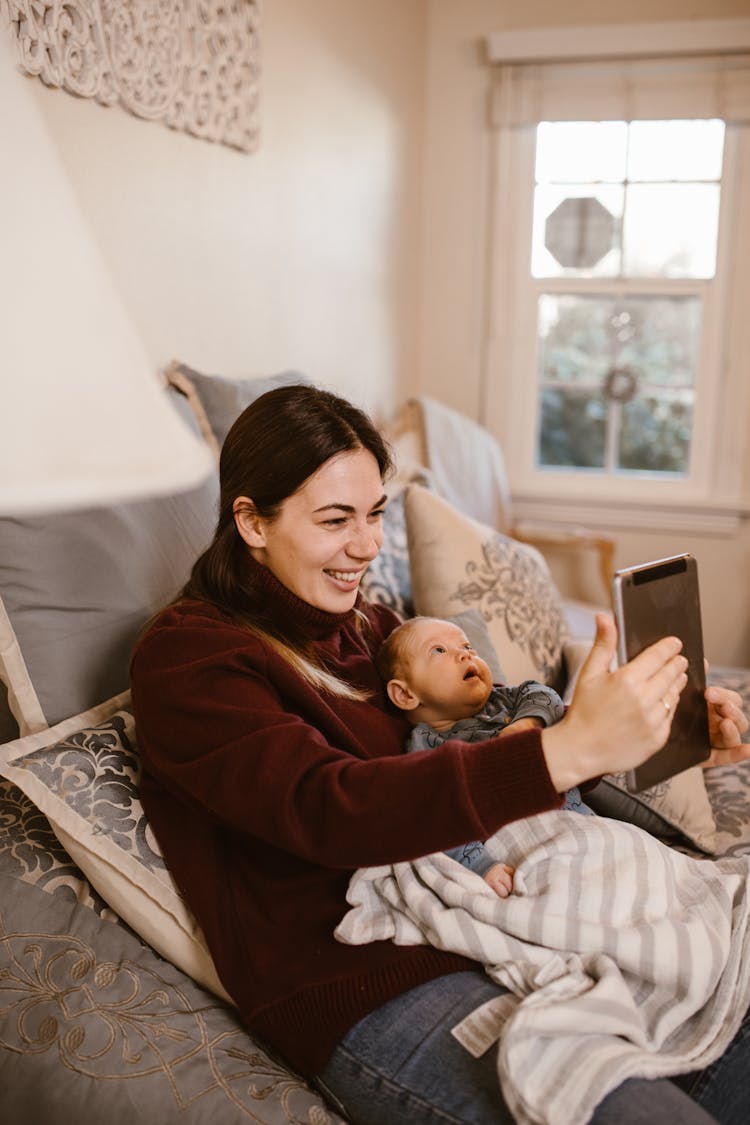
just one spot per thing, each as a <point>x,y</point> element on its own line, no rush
<point>443,669</point>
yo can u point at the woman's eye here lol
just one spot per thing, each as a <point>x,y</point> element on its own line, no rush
<point>339,521</point>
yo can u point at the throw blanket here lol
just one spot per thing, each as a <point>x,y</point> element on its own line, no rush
<point>623,957</point>
<point>466,464</point>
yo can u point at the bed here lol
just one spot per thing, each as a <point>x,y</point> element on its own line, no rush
<point>110,1008</point>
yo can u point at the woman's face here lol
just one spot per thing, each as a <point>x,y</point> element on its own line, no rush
<point>326,533</point>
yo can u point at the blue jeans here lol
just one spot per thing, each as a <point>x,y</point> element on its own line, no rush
<point>400,1064</point>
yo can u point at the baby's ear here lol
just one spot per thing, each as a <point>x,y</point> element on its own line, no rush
<point>402,695</point>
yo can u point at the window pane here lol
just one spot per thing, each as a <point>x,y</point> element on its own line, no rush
<point>670,230</point>
<point>659,339</point>
<point>575,338</point>
<point>675,150</point>
<point>574,224</point>
<point>582,339</point>
<point>655,434</point>
<point>572,430</point>
<point>581,151</point>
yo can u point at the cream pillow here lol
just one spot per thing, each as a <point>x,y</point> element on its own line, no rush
<point>459,564</point>
<point>83,775</point>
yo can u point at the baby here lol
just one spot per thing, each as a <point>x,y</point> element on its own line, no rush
<point>434,674</point>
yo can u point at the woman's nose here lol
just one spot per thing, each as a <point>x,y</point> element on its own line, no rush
<point>366,543</point>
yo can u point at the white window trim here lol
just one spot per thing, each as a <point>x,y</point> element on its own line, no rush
<point>720,489</point>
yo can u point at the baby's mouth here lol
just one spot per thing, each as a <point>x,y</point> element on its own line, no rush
<point>471,673</point>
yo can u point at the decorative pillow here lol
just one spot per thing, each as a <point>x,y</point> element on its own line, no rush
<point>388,579</point>
<point>220,400</point>
<point>76,588</point>
<point>83,775</point>
<point>673,809</point>
<point>458,564</point>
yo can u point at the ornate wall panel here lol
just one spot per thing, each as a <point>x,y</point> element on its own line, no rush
<point>193,64</point>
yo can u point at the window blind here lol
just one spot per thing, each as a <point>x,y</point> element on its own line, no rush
<point>704,86</point>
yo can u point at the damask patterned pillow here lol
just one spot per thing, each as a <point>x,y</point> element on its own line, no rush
<point>83,775</point>
<point>459,564</point>
<point>388,578</point>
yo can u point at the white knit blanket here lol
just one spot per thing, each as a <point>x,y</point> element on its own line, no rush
<point>623,956</point>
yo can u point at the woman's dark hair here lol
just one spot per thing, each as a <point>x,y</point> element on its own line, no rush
<point>274,446</point>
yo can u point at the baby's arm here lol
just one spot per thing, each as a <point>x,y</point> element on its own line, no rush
<point>531,704</point>
<point>476,858</point>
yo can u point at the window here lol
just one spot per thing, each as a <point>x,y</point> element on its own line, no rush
<point>615,365</point>
<point>621,202</point>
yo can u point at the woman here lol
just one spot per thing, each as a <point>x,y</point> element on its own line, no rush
<point>273,767</point>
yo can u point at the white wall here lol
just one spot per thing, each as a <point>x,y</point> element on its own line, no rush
<point>454,257</point>
<point>301,255</point>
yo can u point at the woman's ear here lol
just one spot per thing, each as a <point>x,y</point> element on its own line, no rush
<point>248,522</point>
<point>401,694</point>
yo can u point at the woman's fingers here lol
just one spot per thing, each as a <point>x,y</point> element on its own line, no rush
<point>727,704</point>
<point>727,723</point>
<point>654,659</point>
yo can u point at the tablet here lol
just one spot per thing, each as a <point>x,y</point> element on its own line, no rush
<point>655,600</point>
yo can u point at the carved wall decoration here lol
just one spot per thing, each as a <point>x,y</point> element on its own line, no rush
<point>193,64</point>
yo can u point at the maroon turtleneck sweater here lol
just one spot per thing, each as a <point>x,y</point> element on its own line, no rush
<point>266,794</point>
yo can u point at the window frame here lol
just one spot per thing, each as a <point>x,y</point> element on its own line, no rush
<point>718,480</point>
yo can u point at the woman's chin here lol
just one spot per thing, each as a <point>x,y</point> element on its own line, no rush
<point>337,597</point>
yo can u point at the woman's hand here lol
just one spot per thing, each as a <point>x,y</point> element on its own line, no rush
<point>726,723</point>
<point>617,719</point>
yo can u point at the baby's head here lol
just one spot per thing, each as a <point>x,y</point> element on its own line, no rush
<point>433,673</point>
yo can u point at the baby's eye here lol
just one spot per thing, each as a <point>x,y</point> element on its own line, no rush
<point>469,647</point>
<point>437,649</point>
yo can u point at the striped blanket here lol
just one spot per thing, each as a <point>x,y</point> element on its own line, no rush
<point>622,956</point>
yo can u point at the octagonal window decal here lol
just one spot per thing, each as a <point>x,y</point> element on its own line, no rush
<point>579,232</point>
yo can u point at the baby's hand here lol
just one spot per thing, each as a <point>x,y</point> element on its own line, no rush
<point>500,878</point>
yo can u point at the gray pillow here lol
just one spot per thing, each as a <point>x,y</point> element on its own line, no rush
<point>223,399</point>
<point>77,587</point>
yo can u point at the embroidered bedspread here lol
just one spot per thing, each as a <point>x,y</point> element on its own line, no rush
<point>623,957</point>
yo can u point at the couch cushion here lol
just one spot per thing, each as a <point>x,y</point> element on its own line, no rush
<point>76,588</point>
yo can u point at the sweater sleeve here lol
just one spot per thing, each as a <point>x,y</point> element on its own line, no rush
<point>226,725</point>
